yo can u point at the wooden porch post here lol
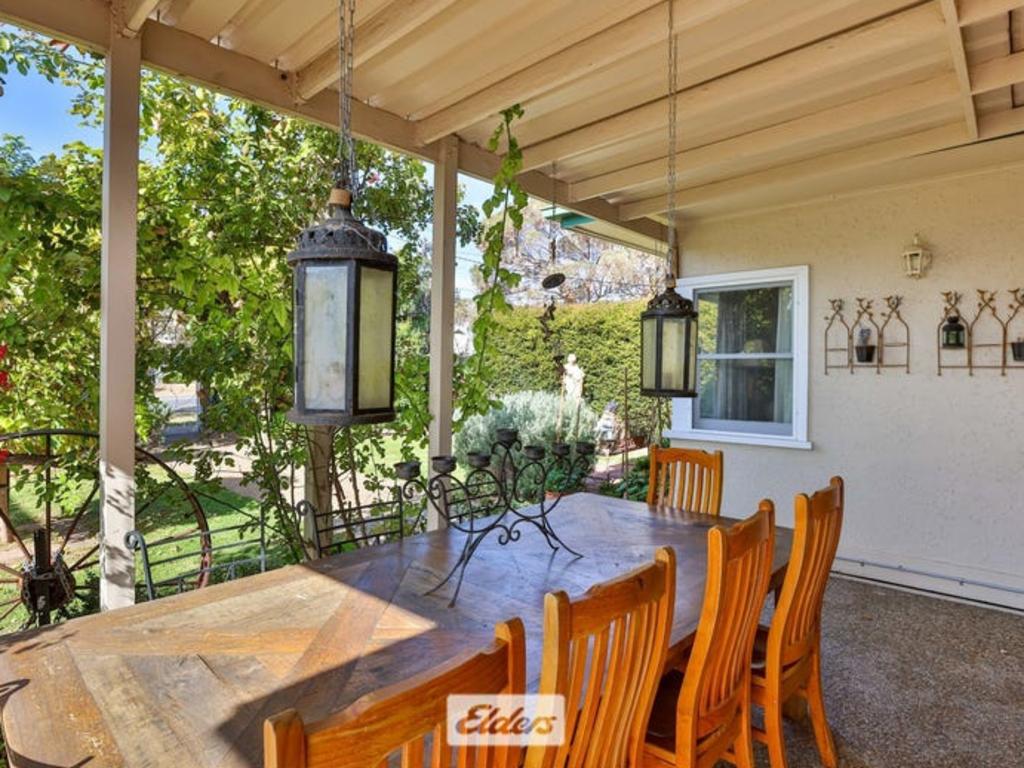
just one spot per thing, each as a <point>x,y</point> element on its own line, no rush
<point>117,319</point>
<point>442,304</point>
<point>317,480</point>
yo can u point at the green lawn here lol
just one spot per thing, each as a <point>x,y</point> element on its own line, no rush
<point>168,516</point>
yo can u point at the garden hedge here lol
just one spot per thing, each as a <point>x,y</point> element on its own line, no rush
<point>605,338</point>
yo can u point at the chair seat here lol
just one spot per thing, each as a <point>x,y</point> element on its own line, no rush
<point>661,728</point>
<point>760,656</point>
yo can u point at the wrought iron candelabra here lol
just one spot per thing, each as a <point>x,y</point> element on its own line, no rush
<point>503,491</point>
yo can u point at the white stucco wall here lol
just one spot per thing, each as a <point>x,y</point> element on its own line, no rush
<point>934,466</point>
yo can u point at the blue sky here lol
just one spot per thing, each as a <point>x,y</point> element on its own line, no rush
<point>38,110</point>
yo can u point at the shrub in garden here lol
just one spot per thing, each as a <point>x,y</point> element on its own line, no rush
<point>534,414</point>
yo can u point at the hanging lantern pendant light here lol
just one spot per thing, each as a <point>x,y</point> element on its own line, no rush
<point>344,294</point>
<point>668,327</point>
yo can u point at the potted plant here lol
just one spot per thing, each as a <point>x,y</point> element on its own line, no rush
<point>864,349</point>
<point>1017,348</point>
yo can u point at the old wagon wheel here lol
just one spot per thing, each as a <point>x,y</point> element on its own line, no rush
<point>45,574</point>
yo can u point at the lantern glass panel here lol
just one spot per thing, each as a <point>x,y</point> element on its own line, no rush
<point>325,335</point>
<point>674,353</point>
<point>649,345</point>
<point>376,342</point>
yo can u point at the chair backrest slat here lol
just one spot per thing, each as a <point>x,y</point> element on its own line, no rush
<point>797,620</point>
<point>686,479</point>
<point>717,677</point>
<point>604,653</point>
<point>407,720</point>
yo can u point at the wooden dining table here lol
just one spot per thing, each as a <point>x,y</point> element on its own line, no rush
<point>188,680</point>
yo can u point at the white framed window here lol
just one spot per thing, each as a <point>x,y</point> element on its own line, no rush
<point>751,359</point>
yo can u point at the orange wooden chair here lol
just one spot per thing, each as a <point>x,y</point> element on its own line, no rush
<point>397,720</point>
<point>686,478</point>
<point>605,653</point>
<point>791,663</point>
<point>703,714</point>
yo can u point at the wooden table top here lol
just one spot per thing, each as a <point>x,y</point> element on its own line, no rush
<point>188,680</point>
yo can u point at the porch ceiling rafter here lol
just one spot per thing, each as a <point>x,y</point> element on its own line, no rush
<point>817,129</point>
<point>915,151</point>
<point>614,43</point>
<point>772,91</point>
<point>727,95</point>
<point>179,53</point>
<point>976,11</point>
<point>963,75</point>
<point>383,28</point>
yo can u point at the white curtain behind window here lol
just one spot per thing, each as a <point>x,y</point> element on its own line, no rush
<point>784,368</point>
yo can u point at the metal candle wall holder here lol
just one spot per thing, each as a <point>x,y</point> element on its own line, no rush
<point>892,322</point>
<point>495,496</point>
<point>986,307</point>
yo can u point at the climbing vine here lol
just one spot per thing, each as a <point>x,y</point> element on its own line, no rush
<point>505,206</point>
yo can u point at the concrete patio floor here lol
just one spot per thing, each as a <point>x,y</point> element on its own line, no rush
<point>913,681</point>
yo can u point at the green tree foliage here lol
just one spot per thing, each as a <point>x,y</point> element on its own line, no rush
<point>595,270</point>
<point>605,337</point>
<point>225,187</point>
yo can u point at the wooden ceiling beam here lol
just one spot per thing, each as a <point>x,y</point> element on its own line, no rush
<point>843,119</point>
<point>959,55</point>
<point>384,28</point>
<point>974,11</point>
<point>641,31</point>
<point>83,22</point>
<point>807,170</point>
<point>998,73</point>
<point>134,13</point>
<point>876,40</point>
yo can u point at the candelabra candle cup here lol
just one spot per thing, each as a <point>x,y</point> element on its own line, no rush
<point>507,437</point>
<point>1017,348</point>
<point>478,459</point>
<point>560,450</point>
<point>407,470</point>
<point>443,465</point>
<point>585,449</point>
<point>534,452</point>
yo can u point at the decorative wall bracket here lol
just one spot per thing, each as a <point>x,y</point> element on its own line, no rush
<point>989,340</point>
<point>892,337</point>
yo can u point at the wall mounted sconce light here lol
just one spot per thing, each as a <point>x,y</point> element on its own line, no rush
<point>916,258</point>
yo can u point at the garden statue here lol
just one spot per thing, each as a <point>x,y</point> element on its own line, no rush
<point>572,379</point>
<point>572,391</point>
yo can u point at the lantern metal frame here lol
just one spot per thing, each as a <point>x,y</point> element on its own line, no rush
<point>340,240</point>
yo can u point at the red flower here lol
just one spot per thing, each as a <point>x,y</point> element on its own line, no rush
<point>3,351</point>
<point>5,380</point>
<point>4,455</point>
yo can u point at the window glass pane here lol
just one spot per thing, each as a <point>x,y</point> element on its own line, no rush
<point>754,395</point>
<point>749,320</point>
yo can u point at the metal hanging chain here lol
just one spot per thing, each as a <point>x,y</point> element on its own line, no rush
<point>346,61</point>
<point>554,212</point>
<point>673,83</point>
